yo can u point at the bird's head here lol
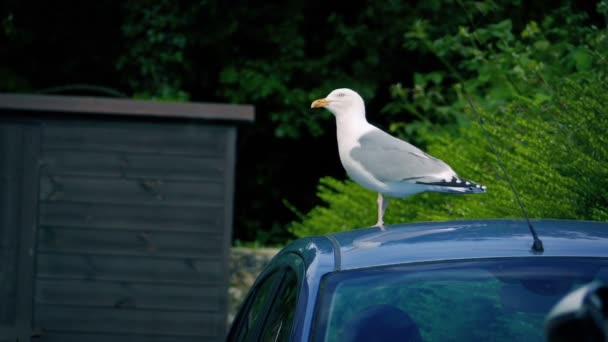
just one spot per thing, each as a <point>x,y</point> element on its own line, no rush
<point>341,101</point>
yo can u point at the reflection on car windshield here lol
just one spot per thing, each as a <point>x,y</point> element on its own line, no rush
<point>497,300</point>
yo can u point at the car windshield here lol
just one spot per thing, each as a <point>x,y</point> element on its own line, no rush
<point>497,300</point>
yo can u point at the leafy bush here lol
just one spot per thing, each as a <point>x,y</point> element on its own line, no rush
<point>543,97</point>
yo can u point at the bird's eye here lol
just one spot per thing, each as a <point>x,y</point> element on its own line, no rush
<point>341,94</point>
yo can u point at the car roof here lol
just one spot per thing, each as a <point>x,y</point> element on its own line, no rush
<point>449,240</point>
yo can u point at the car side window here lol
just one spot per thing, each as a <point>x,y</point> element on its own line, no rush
<point>282,312</point>
<point>253,314</point>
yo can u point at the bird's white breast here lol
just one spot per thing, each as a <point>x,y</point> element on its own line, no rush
<point>348,134</point>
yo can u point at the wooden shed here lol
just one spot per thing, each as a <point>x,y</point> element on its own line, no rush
<point>115,218</point>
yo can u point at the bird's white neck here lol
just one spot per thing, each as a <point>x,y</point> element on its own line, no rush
<point>351,117</point>
<point>351,126</point>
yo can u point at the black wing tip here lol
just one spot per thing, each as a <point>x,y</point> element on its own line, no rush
<point>461,184</point>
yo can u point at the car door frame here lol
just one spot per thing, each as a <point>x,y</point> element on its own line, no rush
<point>281,263</point>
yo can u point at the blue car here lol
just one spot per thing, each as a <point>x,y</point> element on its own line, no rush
<point>437,281</point>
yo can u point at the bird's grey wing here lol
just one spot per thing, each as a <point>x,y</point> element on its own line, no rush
<point>392,160</point>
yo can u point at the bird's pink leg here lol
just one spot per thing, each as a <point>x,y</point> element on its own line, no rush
<point>382,204</point>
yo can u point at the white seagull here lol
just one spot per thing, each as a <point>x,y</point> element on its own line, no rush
<point>382,163</point>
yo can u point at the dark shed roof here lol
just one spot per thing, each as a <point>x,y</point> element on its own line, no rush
<point>126,107</point>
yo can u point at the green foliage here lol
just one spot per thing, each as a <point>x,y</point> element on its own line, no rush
<point>543,98</point>
<point>495,65</point>
<point>156,33</point>
<point>291,64</point>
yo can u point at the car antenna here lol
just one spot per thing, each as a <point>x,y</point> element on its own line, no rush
<point>537,245</point>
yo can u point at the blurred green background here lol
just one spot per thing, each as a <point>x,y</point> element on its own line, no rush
<point>537,73</point>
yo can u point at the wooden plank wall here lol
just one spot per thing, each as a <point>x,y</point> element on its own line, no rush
<point>19,150</point>
<point>9,238</point>
<point>133,231</point>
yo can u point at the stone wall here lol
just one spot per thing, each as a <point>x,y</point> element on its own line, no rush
<point>245,265</point>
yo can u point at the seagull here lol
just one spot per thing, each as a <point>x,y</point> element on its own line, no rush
<point>385,164</point>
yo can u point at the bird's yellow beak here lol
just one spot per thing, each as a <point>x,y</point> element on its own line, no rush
<point>319,103</point>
